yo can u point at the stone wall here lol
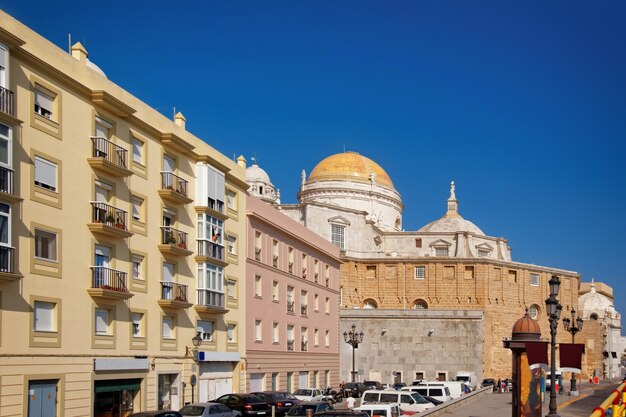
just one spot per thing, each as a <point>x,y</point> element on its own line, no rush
<point>399,343</point>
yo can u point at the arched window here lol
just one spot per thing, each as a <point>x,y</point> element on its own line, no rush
<point>593,316</point>
<point>420,305</point>
<point>369,303</point>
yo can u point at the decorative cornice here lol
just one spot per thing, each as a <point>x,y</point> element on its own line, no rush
<point>112,104</point>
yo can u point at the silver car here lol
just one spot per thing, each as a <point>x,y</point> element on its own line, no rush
<point>206,409</point>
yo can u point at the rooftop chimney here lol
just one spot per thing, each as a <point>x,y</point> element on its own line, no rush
<point>79,52</point>
<point>241,161</point>
<point>180,120</point>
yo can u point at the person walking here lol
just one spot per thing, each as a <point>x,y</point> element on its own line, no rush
<point>350,402</point>
<point>499,386</point>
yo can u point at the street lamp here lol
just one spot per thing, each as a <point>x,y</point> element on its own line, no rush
<point>196,341</point>
<point>573,325</point>
<point>354,339</point>
<point>554,314</point>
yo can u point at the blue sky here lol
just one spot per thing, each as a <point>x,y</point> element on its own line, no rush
<point>522,105</point>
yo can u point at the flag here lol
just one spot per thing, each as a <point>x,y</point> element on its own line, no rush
<point>570,356</point>
<point>537,353</point>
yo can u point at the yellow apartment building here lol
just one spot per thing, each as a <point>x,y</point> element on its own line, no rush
<point>121,280</point>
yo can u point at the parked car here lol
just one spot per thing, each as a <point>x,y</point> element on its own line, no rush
<point>355,389</point>
<point>278,400</point>
<point>381,410</point>
<point>308,394</point>
<point>247,404</point>
<point>301,409</point>
<point>204,409</point>
<point>372,385</point>
<point>440,392</point>
<point>488,382</point>
<point>156,413</point>
<point>455,388</point>
<point>342,413</point>
<point>409,401</point>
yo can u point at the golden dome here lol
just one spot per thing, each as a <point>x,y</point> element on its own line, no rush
<point>350,166</point>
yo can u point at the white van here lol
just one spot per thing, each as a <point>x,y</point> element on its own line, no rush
<point>468,377</point>
<point>455,387</point>
<point>381,409</point>
<point>439,392</point>
<point>409,401</point>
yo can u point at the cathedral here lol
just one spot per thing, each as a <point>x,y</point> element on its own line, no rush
<point>430,302</point>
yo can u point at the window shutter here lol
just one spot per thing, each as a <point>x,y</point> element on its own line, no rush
<point>45,172</point>
<point>137,145</point>
<point>102,321</point>
<point>44,313</point>
<point>167,327</point>
<point>168,272</point>
<point>3,57</point>
<point>43,100</point>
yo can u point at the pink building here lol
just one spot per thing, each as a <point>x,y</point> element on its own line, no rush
<point>292,302</point>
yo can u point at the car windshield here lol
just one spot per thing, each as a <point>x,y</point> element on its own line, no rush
<point>277,397</point>
<point>192,410</point>
<point>302,392</point>
<point>418,398</point>
<point>252,399</point>
<point>290,396</point>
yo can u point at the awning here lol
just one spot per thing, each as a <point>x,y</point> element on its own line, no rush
<point>117,385</point>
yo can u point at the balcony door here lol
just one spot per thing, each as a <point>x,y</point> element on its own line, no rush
<point>102,258</point>
<point>5,238</point>
<point>4,64</point>
<point>168,164</point>
<point>168,279</point>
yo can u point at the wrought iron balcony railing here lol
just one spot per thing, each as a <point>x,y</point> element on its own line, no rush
<point>104,148</point>
<point>290,345</point>
<point>290,307</point>
<point>6,259</point>
<point>7,101</point>
<point>108,214</point>
<point>173,291</point>
<point>108,279</point>
<point>171,236</point>
<point>6,180</point>
<point>171,181</point>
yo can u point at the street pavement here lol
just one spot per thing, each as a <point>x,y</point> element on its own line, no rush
<point>498,405</point>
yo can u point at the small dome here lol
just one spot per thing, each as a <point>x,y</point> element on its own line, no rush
<point>350,166</point>
<point>254,173</point>
<point>96,68</point>
<point>452,221</point>
<point>526,328</point>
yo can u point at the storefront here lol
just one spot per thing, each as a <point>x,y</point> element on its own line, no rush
<point>117,386</point>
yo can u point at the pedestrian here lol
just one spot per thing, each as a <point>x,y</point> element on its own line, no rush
<point>350,402</point>
<point>498,387</point>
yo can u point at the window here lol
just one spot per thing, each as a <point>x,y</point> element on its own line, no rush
<point>137,207</point>
<point>257,286</point>
<point>304,265</point>
<point>303,303</point>
<point>497,274</point>
<point>210,228</point>
<point>316,271</point>
<point>137,150</point>
<point>231,241</point>
<point>45,245</point>
<point>290,253</point>
<point>5,226</point>
<point>257,246</point>
<point>6,151</point>
<point>290,299</point>
<point>534,280</point>
<point>258,330</point>
<point>215,188</point>
<point>44,316</point>
<point>168,327</point>
<point>102,326</point>
<point>420,305</point>
<point>45,174</point>
<point>275,253</point>
<point>304,338</point>
<point>418,242</point>
<point>327,338</point>
<point>205,330</point>
<point>469,272</point>
<point>137,266</point>
<point>441,251</point>
<point>327,306</point>
<point>420,272</point>
<point>137,326</point>
<point>231,200</point>
<point>316,337</point>
<point>327,275</point>
<point>44,102</point>
<point>210,285</point>
<point>316,302</point>
<point>231,333</point>
<point>370,271</point>
<point>512,276</point>
<point>533,311</point>
<point>290,337</point>
<point>275,290</point>
<point>483,253</point>
<point>232,289</point>
<point>337,235</point>
<point>275,333</point>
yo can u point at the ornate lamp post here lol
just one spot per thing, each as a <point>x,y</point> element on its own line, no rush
<point>354,339</point>
<point>196,341</point>
<point>553,308</point>
<point>573,325</point>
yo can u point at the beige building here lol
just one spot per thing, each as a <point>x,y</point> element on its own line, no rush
<point>119,243</point>
<point>448,265</point>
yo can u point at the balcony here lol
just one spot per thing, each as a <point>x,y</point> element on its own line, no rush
<point>290,345</point>
<point>173,188</point>
<point>174,295</point>
<point>7,101</point>
<point>7,264</point>
<point>210,302</point>
<point>108,221</point>
<point>108,283</point>
<point>303,345</point>
<point>209,251</point>
<point>290,308</point>
<point>173,242</point>
<point>303,310</point>
<point>109,158</point>
<point>6,186</point>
